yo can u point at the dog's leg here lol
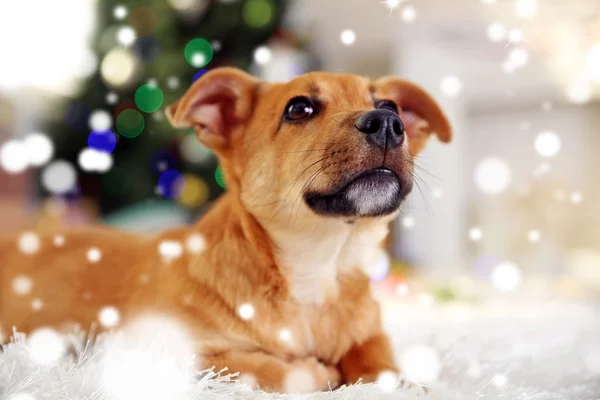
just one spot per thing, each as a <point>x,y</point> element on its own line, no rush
<point>367,360</point>
<point>270,373</point>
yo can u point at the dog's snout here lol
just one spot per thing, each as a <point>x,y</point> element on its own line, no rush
<point>383,128</point>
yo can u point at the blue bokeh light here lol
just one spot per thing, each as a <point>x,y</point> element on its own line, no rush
<point>198,74</point>
<point>105,141</point>
<point>171,184</point>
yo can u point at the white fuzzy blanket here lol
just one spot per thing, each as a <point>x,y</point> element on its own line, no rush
<point>543,351</point>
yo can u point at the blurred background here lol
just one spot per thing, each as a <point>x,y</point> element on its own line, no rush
<point>513,199</point>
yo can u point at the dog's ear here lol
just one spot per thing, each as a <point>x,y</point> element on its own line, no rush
<point>216,103</point>
<point>419,112</point>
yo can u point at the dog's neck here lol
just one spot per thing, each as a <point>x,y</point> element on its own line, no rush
<point>315,255</point>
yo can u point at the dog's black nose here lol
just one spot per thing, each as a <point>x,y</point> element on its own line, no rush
<point>383,128</point>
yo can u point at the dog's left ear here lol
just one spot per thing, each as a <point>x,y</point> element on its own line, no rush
<point>215,104</point>
<point>419,112</point>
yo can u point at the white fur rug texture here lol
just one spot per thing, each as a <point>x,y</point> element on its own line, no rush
<point>509,350</point>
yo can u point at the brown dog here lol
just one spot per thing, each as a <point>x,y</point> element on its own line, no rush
<point>315,169</point>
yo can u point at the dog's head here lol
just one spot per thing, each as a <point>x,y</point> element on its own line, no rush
<point>323,145</point>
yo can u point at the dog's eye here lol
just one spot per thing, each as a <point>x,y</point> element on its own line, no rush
<point>298,109</point>
<point>387,105</point>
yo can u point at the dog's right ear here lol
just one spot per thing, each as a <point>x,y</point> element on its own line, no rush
<point>214,105</point>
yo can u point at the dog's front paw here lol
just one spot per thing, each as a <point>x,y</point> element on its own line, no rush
<point>309,375</point>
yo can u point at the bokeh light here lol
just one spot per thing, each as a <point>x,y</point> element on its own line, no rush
<point>451,86</point>
<point>126,36</point>
<point>149,98</point>
<point>77,116</point>
<point>348,37</point>
<point>162,160</point>
<point>220,177</point>
<point>198,52</point>
<point>195,191</point>
<point>526,8</point>
<point>408,14</point>
<point>143,20</point>
<point>534,235</point>
<point>120,12</point>
<point>171,184</point>
<point>285,335</point>
<point>59,177</point>
<point>492,175</point>
<point>518,57</point>
<point>475,234</point>
<point>408,222</point>
<point>580,91</point>
<point>39,149</point>
<point>198,74</point>
<point>147,49</point>
<point>130,123</point>
<point>46,346</point>
<point>593,62</point>
<point>506,277</point>
<point>112,98</point>
<point>547,144</point>
<point>380,267</point>
<point>104,141</point>
<point>100,120</point>
<point>13,157</point>
<point>262,55</point>
<point>258,13</point>
<point>496,32</point>
<point>118,67</point>
<point>387,381</point>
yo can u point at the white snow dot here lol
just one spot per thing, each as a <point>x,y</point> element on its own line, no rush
<point>195,243</point>
<point>421,364</point>
<point>518,56</point>
<point>100,120</point>
<point>22,285</point>
<point>29,243</point>
<point>173,82</point>
<point>112,98</point>
<point>426,300</point>
<point>526,8</point>
<point>451,86</point>
<point>59,240</point>
<point>37,304</point>
<point>475,234</point>
<point>39,149</point>
<point>198,59</point>
<point>94,255</point>
<point>109,317</point>
<point>438,193</point>
<point>285,335</point>
<point>496,32</point>
<point>348,37</point>
<point>126,36</point>
<point>46,346</point>
<point>262,55</point>
<point>246,311</point>
<point>499,380</point>
<point>408,222</point>
<point>534,235</point>
<point>170,249</point>
<point>402,289</point>
<point>576,197</point>
<point>506,277</point>
<point>409,14</point>
<point>13,157</point>
<point>387,382</point>
<point>120,12</point>
<point>547,144</point>
<point>492,175</point>
<point>59,177</point>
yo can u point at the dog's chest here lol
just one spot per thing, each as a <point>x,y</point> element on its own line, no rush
<point>328,331</point>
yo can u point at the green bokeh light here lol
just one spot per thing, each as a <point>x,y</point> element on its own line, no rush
<point>220,177</point>
<point>198,52</point>
<point>149,98</point>
<point>258,13</point>
<point>130,123</point>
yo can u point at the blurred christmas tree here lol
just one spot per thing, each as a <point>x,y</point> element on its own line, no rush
<point>116,145</point>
